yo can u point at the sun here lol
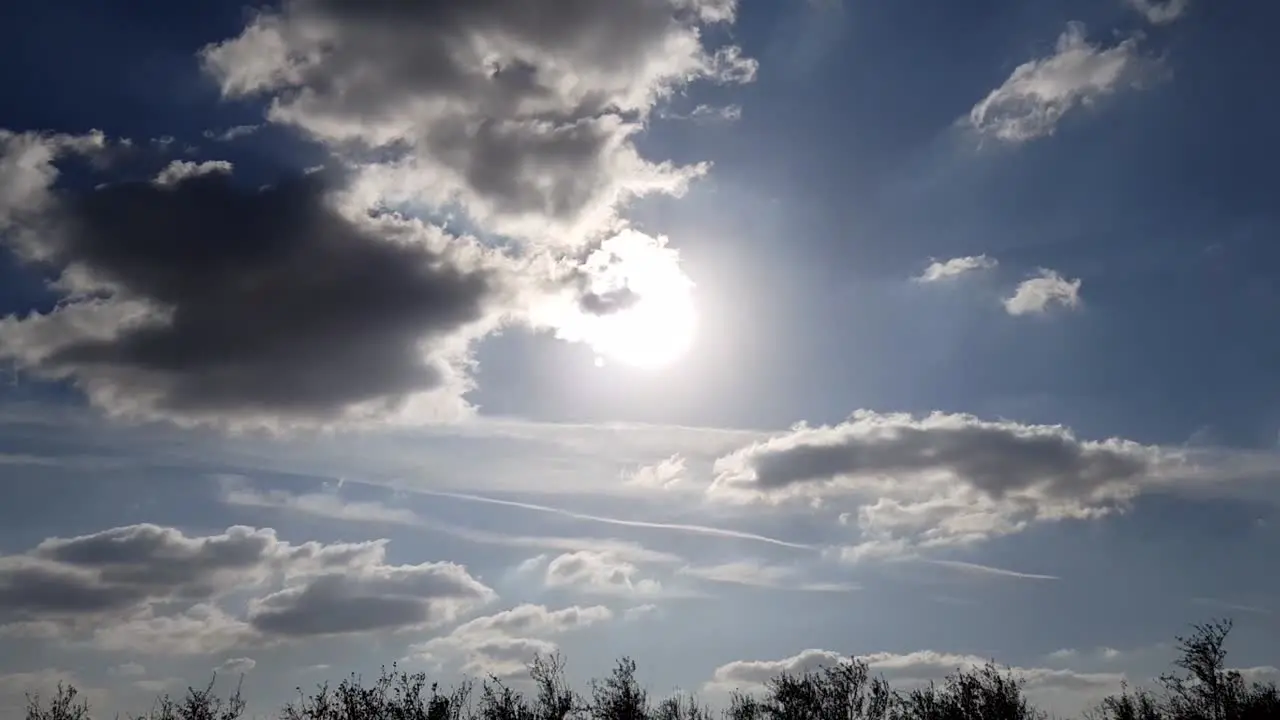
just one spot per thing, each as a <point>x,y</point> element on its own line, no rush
<point>657,326</point>
<point>653,333</point>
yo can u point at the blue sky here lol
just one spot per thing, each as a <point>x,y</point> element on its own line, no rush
<point>727,335</point>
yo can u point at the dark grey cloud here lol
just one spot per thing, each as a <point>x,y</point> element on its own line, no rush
<point>214,300</point>
<point>155,589</point>
<point>902,482</point>
<point>377,598</point>
<point>520,111</point>
<point>994,457</point>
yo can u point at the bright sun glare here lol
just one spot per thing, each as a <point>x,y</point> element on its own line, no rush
<point>659,327</point>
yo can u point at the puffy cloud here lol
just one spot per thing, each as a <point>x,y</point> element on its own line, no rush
<point>503,644</point>
<point>1037,294</point>
<point>265,315</point>
<point>1039,93</point>
<point>939,479</point>
<point>523,113</point>
<point>942,270</point>
<point>599,572</point>
<point>1160,12</point>
<point>148,588</point>
<point>27,170</point>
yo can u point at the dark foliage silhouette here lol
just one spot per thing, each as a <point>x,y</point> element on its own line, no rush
<point>1200,687</point>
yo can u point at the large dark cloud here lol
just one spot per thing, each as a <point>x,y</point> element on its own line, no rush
<point>255,303</point>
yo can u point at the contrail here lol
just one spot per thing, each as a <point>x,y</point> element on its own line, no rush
<point>678,527</point>
<point>988,570</point>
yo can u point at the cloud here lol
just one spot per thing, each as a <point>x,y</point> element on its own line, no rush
<point>989,570</point>
<point>320,504</point>
<point>915,667</point>
<point>236,666</point>
<point>623,522</point>
<point>232,133</point>
<point>1039,93</point>
<point>27,170</point>
<point>179,170</point>
<point>632,614</point>
<point>940,479</point>
<point>599,573</point>
<point>1037,294</point>
<point>148,588</point>
<point>332,505</point>
<point>264,313</point>
<point>659,476</point>
<point>707,114</point>
<point>16,687</point>
<point>1160,12</point>
<point>198,630</point>
<point>753,573</point>
<point>943,270</point>
<point>373,597</point>
<point>521,113</point>
<point>503,644</point>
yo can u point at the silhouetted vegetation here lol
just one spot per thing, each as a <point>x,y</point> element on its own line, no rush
<point>1201,687</point>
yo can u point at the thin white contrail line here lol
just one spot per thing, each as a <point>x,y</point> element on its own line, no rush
<point>989,570</point>
<point>677,527</point>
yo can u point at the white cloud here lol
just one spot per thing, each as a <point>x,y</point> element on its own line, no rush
<point>942,270</point>
<point>599,573</point>
<point>236,666</point>
<point>1037,294</point>
<point>906,669</point>
<point>637,612</point>
<point>753,573</point>
<point>1160,12</point>
<point>1039,93</point>
<point>978,569</point>
<point>179,170</point>
<point>659,476</point>
<point>503,644</point>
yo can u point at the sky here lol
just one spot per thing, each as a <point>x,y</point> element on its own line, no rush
<point>735,336</point>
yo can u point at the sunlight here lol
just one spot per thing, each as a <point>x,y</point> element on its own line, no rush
<point>658,326</point>
<point>654,333</point>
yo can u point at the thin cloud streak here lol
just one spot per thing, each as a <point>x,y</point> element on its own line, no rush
<point>989,570</point>
<point>676,527</point>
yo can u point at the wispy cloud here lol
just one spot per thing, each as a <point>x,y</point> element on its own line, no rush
<point>1037,294</point>
<point>989,570</point>
<point>674,527</point>
<point>1160,12</point>
<point>1039,93</point>
<point>955,267</point>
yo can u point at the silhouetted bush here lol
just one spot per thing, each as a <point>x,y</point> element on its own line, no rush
<point>1201,687</point>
